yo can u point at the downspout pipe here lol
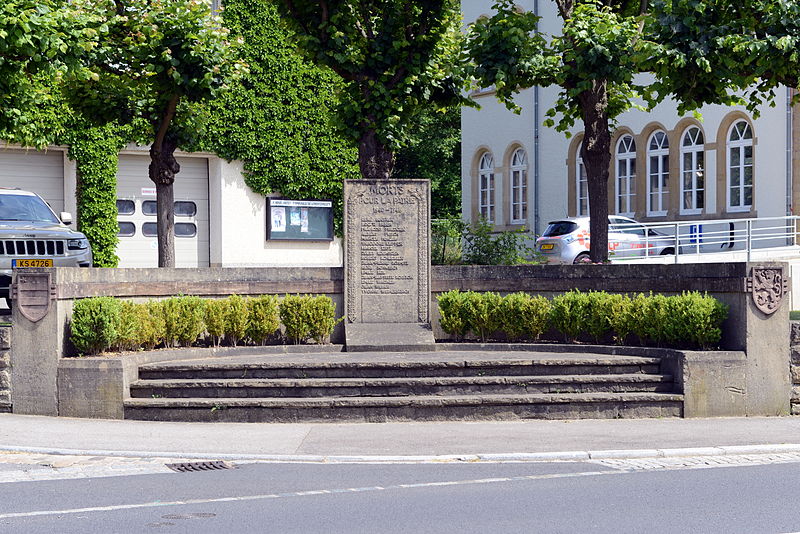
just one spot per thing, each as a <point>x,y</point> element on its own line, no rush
<point>536,217</point>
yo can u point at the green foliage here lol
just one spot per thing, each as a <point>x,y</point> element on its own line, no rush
<point>94,324</point>
<point>215,314</point>
<point>127,328</point>
<point>183,320</point>
<point>41,42</point>
<point>433,152</point>
<point>686,320</point>
<point>278,118</point>
<point>452,309</point>
<point>446,235</point>
<point>569,313</point>
<point>397,59</point>
<point>524,316</point>
<point>294,319</point>
<point>236,319</point>
<point>321,316</point>
<point>152,331</point>
<point>482,312</point>
<point>95,153</point>
<point>483,246</point>
<point>263,318</point>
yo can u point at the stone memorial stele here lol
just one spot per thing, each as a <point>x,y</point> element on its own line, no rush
<point>387,265</point>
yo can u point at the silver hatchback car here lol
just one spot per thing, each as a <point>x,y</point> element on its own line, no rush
<point>567,240</point>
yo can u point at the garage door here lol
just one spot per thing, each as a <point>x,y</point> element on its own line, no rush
<point>40,172</point>
<point>136,203</point>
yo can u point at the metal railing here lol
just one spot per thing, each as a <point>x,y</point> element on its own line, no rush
<point>702,236</point>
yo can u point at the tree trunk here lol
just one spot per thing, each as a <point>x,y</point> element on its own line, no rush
<point>596,154</point>
<point>374,158</point>
<point>163,168</point>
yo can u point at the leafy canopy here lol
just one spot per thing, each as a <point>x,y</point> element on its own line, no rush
<point>396,57</point>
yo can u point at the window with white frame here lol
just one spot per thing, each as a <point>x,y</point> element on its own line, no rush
<point>581,188</point>
<point>626,175</point>
<point>740,167</point>
<point>657,174</point>
<point>519,186</point>
<point>692,171</point>
<point>486,187</point>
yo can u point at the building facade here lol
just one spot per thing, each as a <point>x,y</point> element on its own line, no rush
<point>664,167</point>
<point>219,221</point>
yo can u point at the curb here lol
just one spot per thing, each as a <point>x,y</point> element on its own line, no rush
<point>565,456</point>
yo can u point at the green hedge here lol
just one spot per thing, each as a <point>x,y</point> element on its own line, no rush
<point>687,320</point>
<point>101,324</point>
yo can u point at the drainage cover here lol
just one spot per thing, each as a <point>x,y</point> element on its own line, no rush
<point>200,466</point>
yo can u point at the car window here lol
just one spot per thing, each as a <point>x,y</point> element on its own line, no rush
<point>25,208</point>
<point>559,228</point>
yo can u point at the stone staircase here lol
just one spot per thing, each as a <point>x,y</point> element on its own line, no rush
<point>376,387</point>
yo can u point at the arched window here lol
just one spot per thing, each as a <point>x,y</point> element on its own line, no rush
<point>581,186</point>
<point>692,171</point>
<point>740,167</point>
<point>486,187</point>
<point>519,186</point>
<point>657,174</point>
<point>626,175</point>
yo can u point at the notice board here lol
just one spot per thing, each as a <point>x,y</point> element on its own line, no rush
<point>299,220</point>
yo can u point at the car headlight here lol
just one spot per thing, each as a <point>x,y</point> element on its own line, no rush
<point>78,244</point>
<point>567,239</point>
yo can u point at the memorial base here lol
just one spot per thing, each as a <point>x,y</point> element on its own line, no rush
<point>363,337</point>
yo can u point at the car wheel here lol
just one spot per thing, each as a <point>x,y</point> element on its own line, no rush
<point>583,257</point>
<point>668,252</point>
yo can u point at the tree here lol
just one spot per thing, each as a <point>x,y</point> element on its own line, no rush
<point>396,57</point>
<point>699,52</point>
<point>433,152</point>
<point>40,41</point>
<point>156,61</point>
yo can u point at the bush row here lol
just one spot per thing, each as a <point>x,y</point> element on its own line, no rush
<point>687,320</point>
<point>105,323</point>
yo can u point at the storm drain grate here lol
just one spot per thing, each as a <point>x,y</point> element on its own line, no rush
<point>200,466</point>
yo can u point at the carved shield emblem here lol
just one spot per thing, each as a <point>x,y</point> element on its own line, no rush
<point>32,294</point>
<point>767,287</point>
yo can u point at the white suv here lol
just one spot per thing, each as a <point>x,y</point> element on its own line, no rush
<point>31,235</point>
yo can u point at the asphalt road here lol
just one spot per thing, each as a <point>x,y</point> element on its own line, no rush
<point>463,498</point>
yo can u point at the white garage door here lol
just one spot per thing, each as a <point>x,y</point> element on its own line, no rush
<point>136,202</point>
<point>31,170</point>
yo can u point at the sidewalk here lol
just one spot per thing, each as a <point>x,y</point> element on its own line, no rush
<point>525,440</point>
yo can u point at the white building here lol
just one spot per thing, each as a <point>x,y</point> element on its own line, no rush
<point>219,221</point>
<point>665,167</point>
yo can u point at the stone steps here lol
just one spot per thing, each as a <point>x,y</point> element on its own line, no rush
<point>400,368</point>
<point>430,386</point>
<point>409,408</point>
<point>403,386</point>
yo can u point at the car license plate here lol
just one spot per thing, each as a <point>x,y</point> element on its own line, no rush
<point>547,246</point>
<point>25,263</point>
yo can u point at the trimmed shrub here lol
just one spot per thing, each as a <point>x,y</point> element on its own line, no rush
<point>215,315</point>
<point>694,320</point>
<point>569,313</point>
<point>452,308</point>
<point>621,317</point>
<point>598,315</point>
<point>183,320</point>
<point>294,318</point>
<point>263,318</point>
<point>235,319</point>
<point>482,311</point>
<point>524,316</point>
<point>321,316</point>
<point>94,324</point>
<point>127,328</point>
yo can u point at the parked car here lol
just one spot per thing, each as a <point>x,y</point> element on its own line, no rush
<point>31,235</point>
<point>567,240</point>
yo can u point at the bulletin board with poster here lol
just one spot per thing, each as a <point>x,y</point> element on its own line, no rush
<point>299,220</point>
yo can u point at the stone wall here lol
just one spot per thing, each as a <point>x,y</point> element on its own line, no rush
<point>795,367</point>
<point>5,369</point>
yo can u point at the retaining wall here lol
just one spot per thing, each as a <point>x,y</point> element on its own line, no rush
<point>760,385</point>
<point>795,367</point>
